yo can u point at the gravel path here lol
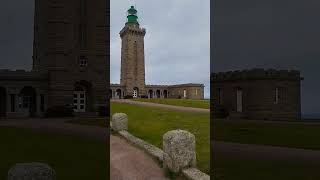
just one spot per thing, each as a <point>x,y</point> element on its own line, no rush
<point>164,106</point>
<point>127,161</point>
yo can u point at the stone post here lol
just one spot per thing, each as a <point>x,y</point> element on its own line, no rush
<point>179,150</point>
<point>31,171</point>
<point>119,122</point>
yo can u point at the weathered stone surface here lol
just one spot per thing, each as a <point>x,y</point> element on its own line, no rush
<point>195,174</point>
<point>119,122</point>
<point>31,171</point>
<point>179,150</point>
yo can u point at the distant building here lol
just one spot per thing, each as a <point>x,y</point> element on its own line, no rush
<point>132,80</point>
<point>70,61</point>
<point>257,94</point>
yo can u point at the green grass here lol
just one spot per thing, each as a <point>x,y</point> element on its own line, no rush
<point>180,102</point>
<point>150,124</point>
<point>302,135</point>
<point>71,157</point>
<point>240,168</point>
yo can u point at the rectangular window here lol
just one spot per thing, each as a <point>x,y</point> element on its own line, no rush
<point>83,61</point>
<point>13,102</point>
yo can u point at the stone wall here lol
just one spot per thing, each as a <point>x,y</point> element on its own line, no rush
<point>266,94</point>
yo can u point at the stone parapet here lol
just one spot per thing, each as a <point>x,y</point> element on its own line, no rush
<point>257,74</point>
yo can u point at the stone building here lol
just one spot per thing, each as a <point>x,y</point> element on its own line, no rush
<point>257,94</point>
<point>70,61</point>
<point>132,80</point>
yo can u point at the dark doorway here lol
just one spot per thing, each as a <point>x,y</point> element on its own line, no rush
<point>29,100</point>
<point>3,102</point>
<point>150,93</point>
<point>118,93</point>
<point>158,93</point>
<point>165,94</point>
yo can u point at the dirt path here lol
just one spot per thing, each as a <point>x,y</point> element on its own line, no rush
<point>132,163</point>
<point>127,162</point>
<point>164,106</point>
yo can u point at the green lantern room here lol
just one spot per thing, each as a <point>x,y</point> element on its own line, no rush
<point>132,15</point>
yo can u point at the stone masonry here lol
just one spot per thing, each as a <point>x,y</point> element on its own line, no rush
<point>70,61</point>
<point>257,94</point>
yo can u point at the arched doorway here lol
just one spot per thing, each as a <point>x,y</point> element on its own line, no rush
<point>165,94</point>
<point>3,102</point>
<point>82,97</point>
<point>28,100</point>
<point>135,93</point>
<point>158,93</point>
<point>79,99</point>
<point>150,93</point>
<point>118,94</point>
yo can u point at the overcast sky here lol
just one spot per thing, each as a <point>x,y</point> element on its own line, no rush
<point>177,42</point>
<point>282,34</point>
<point>16,34</point>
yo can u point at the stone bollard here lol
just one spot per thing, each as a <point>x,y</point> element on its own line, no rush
<point>119,122</point>
<point>31,171</point>
<point>179,148</point>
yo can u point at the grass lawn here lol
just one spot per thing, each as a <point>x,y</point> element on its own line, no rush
<point>71,157</point>
<point>180,102</point>
<point>150,124</point>
<point>237,168</point>
<point>272,133</point>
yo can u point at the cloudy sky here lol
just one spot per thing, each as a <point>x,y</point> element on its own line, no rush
<point>177,42</point>
<point>16,34</point>
<point>282,34</point>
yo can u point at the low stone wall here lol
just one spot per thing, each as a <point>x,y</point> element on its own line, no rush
<point>179,149</point>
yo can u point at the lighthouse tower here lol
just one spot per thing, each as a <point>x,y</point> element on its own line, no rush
<point>132,56</point>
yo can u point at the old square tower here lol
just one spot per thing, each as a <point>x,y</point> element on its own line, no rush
<point>132,78</point>
<point>132,56</point>
<point>70,62</point>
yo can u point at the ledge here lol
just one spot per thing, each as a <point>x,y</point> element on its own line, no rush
<point>195,174</point>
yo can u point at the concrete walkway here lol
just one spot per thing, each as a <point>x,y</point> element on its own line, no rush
<point>126,161</point>
<point>130,163</point>
<point>164,106</point>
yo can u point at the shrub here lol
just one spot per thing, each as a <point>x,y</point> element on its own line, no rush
<point>60,111</point>
<point>144,97</point>
<point>128,97</point>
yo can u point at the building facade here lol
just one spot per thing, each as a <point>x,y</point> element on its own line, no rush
<point>257,94</point>
<point>70,61</point>
<point>132,80</point>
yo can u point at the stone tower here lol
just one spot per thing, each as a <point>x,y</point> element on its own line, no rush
<point>70,45</point>
<point>132,56</point>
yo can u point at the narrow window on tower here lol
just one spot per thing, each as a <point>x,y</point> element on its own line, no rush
<point>83,24</point>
